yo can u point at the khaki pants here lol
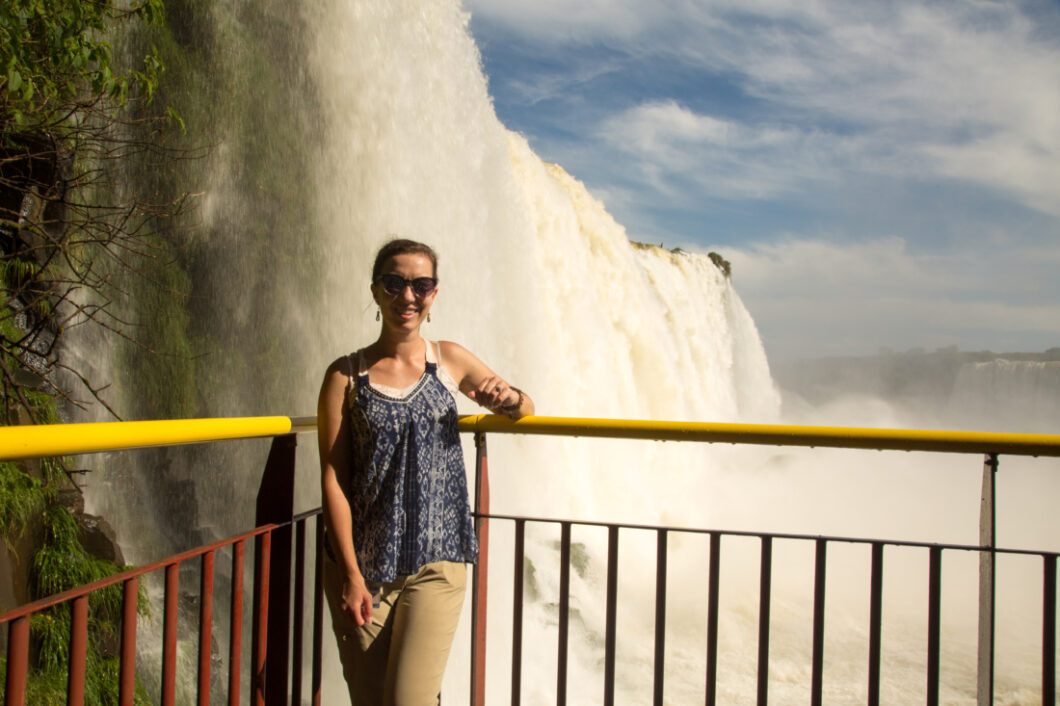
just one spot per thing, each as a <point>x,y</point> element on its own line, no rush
<point>398,658</point>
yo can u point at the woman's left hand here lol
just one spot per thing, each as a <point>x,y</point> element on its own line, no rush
<point>493,393</point>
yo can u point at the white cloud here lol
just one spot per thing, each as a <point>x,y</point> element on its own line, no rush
<point>815,297</point>
<point>672,145</point>
<point>553,20</point>
<point>954,90</point>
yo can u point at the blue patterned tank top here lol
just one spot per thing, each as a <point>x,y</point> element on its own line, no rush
<point>408,487</point>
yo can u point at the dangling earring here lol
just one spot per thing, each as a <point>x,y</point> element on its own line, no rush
<point>377,314</point>
<point>428,317</point>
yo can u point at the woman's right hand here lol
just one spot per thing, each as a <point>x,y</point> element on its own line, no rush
<point>356,600</point>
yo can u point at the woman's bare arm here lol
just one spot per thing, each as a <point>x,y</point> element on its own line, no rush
<point>333,436</point>
<point>483,385</point>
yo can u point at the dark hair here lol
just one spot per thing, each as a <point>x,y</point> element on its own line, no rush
<point>401,246</point>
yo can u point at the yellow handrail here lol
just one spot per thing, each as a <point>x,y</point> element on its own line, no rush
<point>35,441</point>
<point>21,442</point>
<point>773,434</point>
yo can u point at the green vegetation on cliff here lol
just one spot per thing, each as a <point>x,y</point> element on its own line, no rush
<point>72,111</point>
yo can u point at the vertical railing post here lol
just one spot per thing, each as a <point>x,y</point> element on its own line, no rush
<point>276,506</point>
<point>563,631</point>
<point>260,630</point>
<point>934,657</point>
<point>75,687</point>
<point>713,583</point>
<point>297,642</point>
<point>987,539</point>
<point>1049,631</point>
<point>765,581</point>
<point>481,572</point>
<point>519,556</point>
<point>318,611</point>
<point>611,616</point>
<point>875,623</point>
<point>235,625</point>
<point>205,627</point>
<point>660,615</point>
<point>127,669</point>
<point>819,584</point>
<point>169,635</point>
<point>17,661</point>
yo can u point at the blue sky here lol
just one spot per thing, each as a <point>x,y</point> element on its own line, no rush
<point>881,175</point>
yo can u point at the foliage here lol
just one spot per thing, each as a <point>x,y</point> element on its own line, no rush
<point>61,563</point>
<point>55,57</point>
<point>21,495</point>
<point>721,263</point>
<point>74,228</point>
<point>48,687</point>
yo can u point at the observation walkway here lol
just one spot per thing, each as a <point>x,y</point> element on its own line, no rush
<point>277,596</point>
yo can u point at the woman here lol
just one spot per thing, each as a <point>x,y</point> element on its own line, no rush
<point>395,501</point>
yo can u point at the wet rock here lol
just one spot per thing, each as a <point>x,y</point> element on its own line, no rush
<point>99,539</point>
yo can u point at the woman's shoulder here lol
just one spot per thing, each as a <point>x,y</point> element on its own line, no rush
<point>341,370</point>
<point>451,348</point>
<point>455,355</point>
<point>461,362</point>
<point>342,365</point>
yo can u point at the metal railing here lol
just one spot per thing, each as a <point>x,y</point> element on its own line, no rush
<point>272,585</point>
<point>280,563</point>
<point>18,621</point>
<point>990,445</point>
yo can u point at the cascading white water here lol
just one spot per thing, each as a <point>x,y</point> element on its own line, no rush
<point>536,278</point>
<point>540,282</point>
<point>1012,394</point>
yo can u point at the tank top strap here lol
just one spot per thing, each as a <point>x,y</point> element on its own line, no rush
<point>351,370</point>
<point>431,358</point>
<point>362,369</point>
<point>358,375</point>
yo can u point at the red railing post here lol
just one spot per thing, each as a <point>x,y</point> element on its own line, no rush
<point>75,678</point>
<point>78,651</point>
<point>235,625</point>
<point>260,640</point>
<point>276,506</point>
<point>481,572</point>
<point>205,626</point>
<point>127,673</point>
<point>17,661</point>
<point>169,635</point>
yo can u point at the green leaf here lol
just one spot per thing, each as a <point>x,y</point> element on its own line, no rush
<point>175,116</point>
<point>14,80</point>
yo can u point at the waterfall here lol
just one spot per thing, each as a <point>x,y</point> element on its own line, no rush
<point>336,125</point>
<point>1015,395</point>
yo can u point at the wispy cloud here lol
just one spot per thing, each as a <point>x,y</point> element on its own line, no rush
<point>672,144</point>
<point>953,89</point>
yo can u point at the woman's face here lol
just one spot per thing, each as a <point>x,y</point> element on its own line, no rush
<point>405,310</point>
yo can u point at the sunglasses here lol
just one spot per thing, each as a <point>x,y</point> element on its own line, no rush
<point>395,284</point>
